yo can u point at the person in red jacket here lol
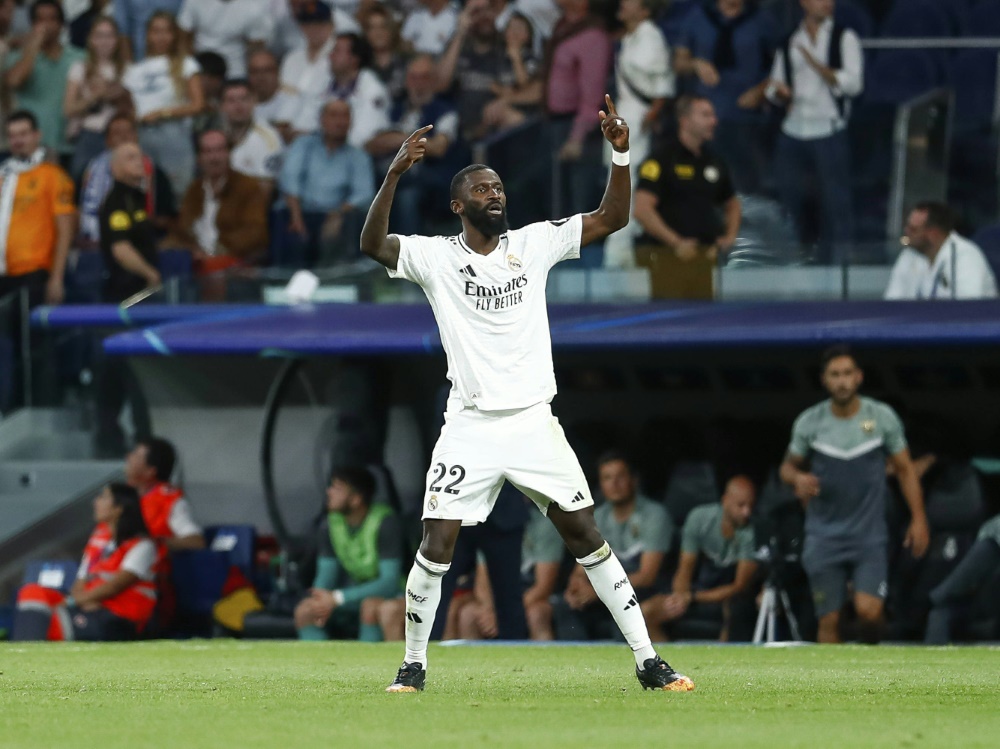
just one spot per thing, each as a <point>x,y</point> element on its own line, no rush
<point>114,595</point>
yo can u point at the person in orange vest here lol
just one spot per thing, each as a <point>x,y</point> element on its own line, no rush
<point>148,468</point>
<point>114,595</point>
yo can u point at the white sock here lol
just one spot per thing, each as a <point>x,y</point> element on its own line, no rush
<point>423,594</point>
<point>614,589</point>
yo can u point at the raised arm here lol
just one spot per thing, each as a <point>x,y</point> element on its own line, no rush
<point>376,242</point>
<point>612,214</point>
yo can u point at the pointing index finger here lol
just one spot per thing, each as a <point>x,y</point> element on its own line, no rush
<point>611,106</point>
<point>417,134</point>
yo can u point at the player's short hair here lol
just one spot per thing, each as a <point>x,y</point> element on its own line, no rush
<point>613,456</point>
<point>22,115</point>
<point>360,480</point>
<point>939,215</point>
<point>835,352</point>
<point>160,456</point>
<point>684,104</point>
<point>459,179</point>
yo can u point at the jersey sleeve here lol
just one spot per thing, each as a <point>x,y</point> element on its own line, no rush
<point>416,259</point>
<point>139,560</point>
<point>651,176</point>
<point>745,551</point>
<point>691,534</point>
<point>116,222</point>
<point>63,194</point>
<point>799,446</point>
<point>893,434</point>
<point>557,240</point>
<point>181,520</point>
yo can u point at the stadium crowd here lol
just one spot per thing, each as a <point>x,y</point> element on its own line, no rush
<point>245,133</point>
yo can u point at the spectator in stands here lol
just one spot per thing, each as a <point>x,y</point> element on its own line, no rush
<point>937,262</point>
<point>288,35</point>
<point>578,66</point>
<point>81,16</point>
<point>166,93</point>
<point>114,595</point>
<point>640,533</point>
<point>353,81</point>
<point>836,463</point>
<point>257,147</point>
<point>277,105</point>
<point>687,207</point>
<point>327,185</point>
<point>980,565</point>
<point>37,216</point>
<point>725,49</point>
<point>94,92</point>
<point>716,568</point>
<point>223,219</point>
<point>427,184</point>
<point>360,556</point>
<point>133,17</point>
<point>36,74</point>
<point>161,206</point>
<point>429,28</point>
<point>388,60</point>
<point>471,65</point>
<point>518,85</point>
<point>214,74</point>
<point>128,240</point>
<point>542,553</point>
<point>644,81</point>
<point>815,76</point>
<point>231,28</point>
<point>306,69</point>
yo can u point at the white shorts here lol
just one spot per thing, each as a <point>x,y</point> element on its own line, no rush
<point>477,450</point>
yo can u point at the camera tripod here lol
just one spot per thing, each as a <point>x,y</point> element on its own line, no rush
<point>774,601</point>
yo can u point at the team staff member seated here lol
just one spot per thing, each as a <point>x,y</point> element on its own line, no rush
<point>360,556</point>
<point>687,207</point>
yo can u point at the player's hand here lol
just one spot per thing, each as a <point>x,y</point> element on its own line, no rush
<point>806,486</point>
<point>918,537</point>
<point>411,152</point>
<point>615,128</point>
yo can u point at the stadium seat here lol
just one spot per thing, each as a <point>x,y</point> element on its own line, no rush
<point>237,541</point>
<point>175,264</point>
<point>57,574</point>
<point>198,577</point>
<point>899,75</point>
<point>691,484</point>
<point>973,75</point>
<point>954,499</point>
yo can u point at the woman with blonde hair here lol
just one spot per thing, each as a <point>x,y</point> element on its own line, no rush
<point>166,93</point>
<point>94,92</point>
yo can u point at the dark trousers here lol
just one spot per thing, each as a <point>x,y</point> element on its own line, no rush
<point>116,384</point>
<point>828,162</point>
<point>958,589</point>
<point>502,549</point>
<point>91,626</point>
<point>294,251</point>
<point>11,339</point>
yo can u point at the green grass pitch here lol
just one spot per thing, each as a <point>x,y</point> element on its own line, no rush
<point>289,695</point>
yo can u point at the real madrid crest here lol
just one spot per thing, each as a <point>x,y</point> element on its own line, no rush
<point>432,503</point>
<point>712,173</point>
<point>868,426</point>
<point>513,262</point>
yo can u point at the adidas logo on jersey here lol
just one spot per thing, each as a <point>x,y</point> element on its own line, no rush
<point>578,497</point>
<point>467,270</point>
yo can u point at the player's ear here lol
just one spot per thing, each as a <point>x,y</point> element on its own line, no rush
<point>456,207</point>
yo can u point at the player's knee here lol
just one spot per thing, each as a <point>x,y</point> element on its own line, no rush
<point>869,610</point>
<point>578,530</point>
<point>438,544</point>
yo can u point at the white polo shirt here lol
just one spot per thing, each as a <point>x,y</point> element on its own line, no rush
<point>259,153</point>
<point>960,271</point>
<point>225,27</point>
<point>282,108</point>
<point>370,104</point>
<point>491,311</point>
<point>310,78</point>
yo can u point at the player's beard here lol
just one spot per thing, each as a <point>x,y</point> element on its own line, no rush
<point>486,223</point>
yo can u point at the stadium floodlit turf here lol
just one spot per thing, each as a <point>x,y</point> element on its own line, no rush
<point>284,695</point>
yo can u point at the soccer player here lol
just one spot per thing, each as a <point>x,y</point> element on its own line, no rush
<point>836,464</point>
<point>487,289</point>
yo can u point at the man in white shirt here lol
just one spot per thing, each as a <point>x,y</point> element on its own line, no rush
<point>276,105</point>
<point>256,146</point>
<point>227,27</point>
<point>644,80</point>
<point>487,289</point>
<point>287,35</point>
<point>939,263</point>
<point>428,29</point>
<point>351,80</point>
<point>306,69</point>
<point>815,74</point>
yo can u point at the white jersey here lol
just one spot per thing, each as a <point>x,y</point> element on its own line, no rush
<point>491,312</point>
<point>259,153</point>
